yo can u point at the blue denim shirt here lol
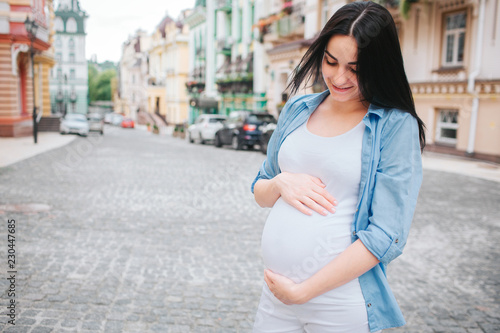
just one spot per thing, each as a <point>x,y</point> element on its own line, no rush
<point>391,175</point>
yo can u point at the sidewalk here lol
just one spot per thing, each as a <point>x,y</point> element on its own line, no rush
<point>13,150</point>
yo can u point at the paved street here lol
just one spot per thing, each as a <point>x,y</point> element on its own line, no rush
<point>135,232</point>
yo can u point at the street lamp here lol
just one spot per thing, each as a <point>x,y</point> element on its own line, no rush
<point>31,28</point>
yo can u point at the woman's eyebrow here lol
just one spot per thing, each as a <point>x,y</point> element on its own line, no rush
<point>349,63</point>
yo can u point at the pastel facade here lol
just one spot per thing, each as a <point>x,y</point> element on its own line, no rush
<point>133,72</point>
<point>69,79</point>
<point>451,51</point>
<point>177,70</point>
<point>16,75</point>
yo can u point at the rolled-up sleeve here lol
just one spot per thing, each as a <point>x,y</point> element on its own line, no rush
<point>395,189</point>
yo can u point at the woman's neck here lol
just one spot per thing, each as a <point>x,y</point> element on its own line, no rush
<point>344,107</point>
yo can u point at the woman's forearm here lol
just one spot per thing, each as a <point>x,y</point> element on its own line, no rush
<point>350,264</point>
<point>266,192</point>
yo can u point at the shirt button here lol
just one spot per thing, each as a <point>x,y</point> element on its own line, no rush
<point>354,233</point>
<point>369,304</point>
<point>396,241</point>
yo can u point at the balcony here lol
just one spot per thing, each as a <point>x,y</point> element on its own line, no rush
<point>224,5</point>
<point>288,27</point>
<point>224,46</point>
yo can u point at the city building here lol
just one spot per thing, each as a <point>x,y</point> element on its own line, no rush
<point>177,69</point>
<point>198,77</point>
<point>451,51</point>
<point>69,79</point>
<point>18,78</point>
<point>156,93</point>
<point>133,75</point>
<point>235,57</point>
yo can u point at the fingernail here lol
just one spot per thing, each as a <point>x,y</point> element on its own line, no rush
<point>324,212</point>
<point>335,202</point>
<point>333,210</point>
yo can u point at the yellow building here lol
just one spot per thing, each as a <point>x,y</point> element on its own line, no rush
<point>157,70</point>
<point>17,75</point>
<point>177,69</point>
<point>451,51</point>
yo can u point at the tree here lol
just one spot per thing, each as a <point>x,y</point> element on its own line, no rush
<point>100,84</point>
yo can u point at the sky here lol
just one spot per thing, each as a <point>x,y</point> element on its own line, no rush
<point>110,22</point>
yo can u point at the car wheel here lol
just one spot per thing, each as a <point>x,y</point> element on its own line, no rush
<point>190,138</point>
<point>102,132</point>
<point>236,143</point>
<point>201,140</point>
<point>217,142</point>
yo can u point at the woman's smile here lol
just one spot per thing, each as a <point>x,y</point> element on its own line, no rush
<point>341,89</point>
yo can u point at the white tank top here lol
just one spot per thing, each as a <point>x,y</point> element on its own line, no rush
<point>297,245</point>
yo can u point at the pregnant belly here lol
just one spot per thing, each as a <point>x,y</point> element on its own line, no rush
<point>297,245</point>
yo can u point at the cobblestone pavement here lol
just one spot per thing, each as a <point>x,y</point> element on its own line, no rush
<point>136,232</point>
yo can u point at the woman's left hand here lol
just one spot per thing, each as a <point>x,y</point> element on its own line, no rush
<point>285,289</point>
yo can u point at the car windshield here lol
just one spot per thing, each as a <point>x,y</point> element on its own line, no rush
<point>216,120</point>
<point>261,118</point>
<point>75,117</point>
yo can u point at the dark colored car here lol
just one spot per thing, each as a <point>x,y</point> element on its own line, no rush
<point>267,131</point>
<point>243,129</point>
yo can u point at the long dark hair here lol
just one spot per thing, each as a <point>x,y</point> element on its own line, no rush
<point>380,70</point>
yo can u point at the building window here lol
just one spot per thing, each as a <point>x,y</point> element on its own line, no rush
<point>71,44</point>
<point>454,39</point>
<point>72,74</point>
<point>58,24</point>
<point>447,126</point>
<point>71,57</point>
<point>59,73</point>
<point>59,57</point>
<point>71,25</point>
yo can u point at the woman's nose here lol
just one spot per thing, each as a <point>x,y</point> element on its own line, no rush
<point>341,78</point>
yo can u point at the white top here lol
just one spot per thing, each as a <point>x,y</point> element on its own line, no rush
<point>297,245</point>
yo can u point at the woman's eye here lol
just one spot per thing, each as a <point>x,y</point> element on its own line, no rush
<point>353,70</point>
<point>331,63</point>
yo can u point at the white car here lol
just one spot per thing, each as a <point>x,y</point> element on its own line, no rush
<point>96,123</point>
<point>204,127</point>
<point>117,119</point>
<point>74,123</point>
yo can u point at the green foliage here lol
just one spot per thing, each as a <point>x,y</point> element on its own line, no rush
<point>100,84</point>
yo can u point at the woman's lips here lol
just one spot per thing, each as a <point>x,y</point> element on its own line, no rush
<point>341,90</point>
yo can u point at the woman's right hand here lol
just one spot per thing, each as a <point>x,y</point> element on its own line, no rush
<point>305,192</point>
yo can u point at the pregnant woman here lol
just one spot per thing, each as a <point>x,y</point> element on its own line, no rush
<point>342,175</point>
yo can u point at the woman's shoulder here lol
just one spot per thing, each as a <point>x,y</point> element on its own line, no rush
<point>394,120</point>
<point>296,101</point>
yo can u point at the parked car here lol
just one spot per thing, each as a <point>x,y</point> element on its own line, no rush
<point>127,123</point>
<point>108,118</point>
<point>74,123</point>
<point>96,123</point>
<point>243,129</point>
<point>204,127</point>
<point>267,131</point>
<point>117,119</point>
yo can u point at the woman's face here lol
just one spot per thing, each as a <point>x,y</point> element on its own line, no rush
<point>339,68</point>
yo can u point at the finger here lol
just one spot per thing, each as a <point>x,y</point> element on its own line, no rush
<point>329,197</point>
<point>310,203</point>
<point>269,282</point>
<point>301,207</point>
<point>318,181</point>
<point>322,201</point>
